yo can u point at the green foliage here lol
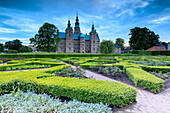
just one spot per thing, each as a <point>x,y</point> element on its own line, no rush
<point>142,38</point>
<point>87,90</point>
<point>143,52</point>
<point>47,38</point>
<point>20,64</point>
<point>12,51</point>
<point>120,42</point>
<point>70,72</point>
<point>145,80</point>
<point>58,55</point>
<point>13,45</point>
<point>107,47</point>
<point>1,47</point>
<point>157,68</point>
<point>25,49</point>
<point>30,102</point>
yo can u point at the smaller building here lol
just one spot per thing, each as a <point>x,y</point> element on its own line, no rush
<point>157,48</point>
<point>34,49</point>
<point>117,50</point>
<point>168,45</point>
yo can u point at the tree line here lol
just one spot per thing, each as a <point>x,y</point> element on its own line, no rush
<point>14,46</point>
<point>47,39</point>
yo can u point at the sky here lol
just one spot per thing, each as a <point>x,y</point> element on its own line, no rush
<point>21,19</point>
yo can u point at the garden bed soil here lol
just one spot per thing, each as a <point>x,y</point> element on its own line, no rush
<point>122,77</point>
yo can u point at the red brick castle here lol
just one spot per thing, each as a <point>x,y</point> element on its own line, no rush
<point>77,42</point>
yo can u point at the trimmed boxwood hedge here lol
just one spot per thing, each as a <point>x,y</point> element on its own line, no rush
<point>144,52</point>
<point>145,80</point>
<point>58,55</point>
<point>4,67</point>
<point>157,68</point>
<point>88,90</point>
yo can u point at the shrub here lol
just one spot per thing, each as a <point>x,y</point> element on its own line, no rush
<point>12,51</point>
<point>87,90</point>
<point>145,80</point>
<point>157,68</point>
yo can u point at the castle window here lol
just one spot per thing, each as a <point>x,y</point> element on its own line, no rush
<point>75,45</point>
<point>61,48</point>
<point>69,40</point>
<point>93,46</point>
<point>86,45</point>
<point>82,48</point>
<point>75,41</point>
<point>61,40</point>
<point>78,45</point>
<point>93,49</point>
<point>69,31</point>
<point>61,45</point>
<point>69,35</point>
<point>69,45</point>
<point>69,49</point>
<point>82,44</point>
<point>93,41</point>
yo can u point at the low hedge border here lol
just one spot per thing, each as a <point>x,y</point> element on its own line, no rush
<point>4,67</point>
<point>88,90</point>
<point>157,68</point>
<point>58,55</point>
<point>145,80</point>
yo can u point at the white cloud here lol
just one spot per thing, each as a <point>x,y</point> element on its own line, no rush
<point>161,20</point>
<point>128,11</point>
<point>10,39</point>
<point>7,30</point>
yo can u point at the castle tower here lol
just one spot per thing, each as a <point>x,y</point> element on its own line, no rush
<point>77,27</point>
<point>69,38</point>
<point>82,43</point>
<point>93,40</point>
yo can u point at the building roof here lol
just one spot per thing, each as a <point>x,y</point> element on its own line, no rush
<point>87,37</point>
<point>76,36</point>
<point>82,35</point>
<point>62,35</point>
<point>156,48</point>
<point>161,45</point>
<point>116,45</point>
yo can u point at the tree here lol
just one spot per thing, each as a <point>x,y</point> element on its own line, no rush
<point>142,38</point>
<point>47,38</point>
<point>165,44</point>
<point>120,42</point>
<point>13,45</point>
<point>107,46</point>
<point>1,47</point>
<point>25,49</point>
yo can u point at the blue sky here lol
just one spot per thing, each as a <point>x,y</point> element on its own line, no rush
<point>21,19</point>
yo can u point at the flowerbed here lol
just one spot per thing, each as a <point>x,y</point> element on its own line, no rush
<point>32,102</point>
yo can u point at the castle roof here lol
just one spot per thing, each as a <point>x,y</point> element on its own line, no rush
<point>76,36</point>
<point>82,35</point>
